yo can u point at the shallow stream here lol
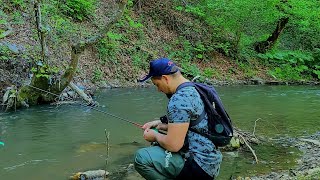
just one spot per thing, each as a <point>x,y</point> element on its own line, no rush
<point>53,142</point>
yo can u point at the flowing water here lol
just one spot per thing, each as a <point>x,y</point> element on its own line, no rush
<point>53,142</point>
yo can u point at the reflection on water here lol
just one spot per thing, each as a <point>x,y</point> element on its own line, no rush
<point>53,142</point>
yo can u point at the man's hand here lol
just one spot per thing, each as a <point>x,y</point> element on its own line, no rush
<point>149,135</point>
<point>162,126</point>
<point>151,124</point>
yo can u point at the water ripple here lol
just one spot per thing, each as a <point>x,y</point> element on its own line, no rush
<point>35,161</point>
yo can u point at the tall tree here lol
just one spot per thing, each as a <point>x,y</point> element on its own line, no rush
<point>42,88</point>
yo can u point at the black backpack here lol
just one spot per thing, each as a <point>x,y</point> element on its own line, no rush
<point>219,122</point>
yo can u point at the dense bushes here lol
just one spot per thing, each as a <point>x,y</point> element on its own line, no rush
<point>237,25</point>
<point>78,9</point>
<point>292,65</point>
<point>199,29</point>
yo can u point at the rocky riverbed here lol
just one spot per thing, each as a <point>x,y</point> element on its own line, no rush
<point>308,166</point>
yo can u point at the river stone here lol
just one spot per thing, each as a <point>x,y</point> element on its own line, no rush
<point>312,141</point>
<point>257,81</point>
<point>235,142</point>
<point>14,48</point>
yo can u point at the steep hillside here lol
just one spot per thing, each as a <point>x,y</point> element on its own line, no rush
<point>147,30</point>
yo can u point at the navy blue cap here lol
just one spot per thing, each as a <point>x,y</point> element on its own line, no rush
<point>159,67</point>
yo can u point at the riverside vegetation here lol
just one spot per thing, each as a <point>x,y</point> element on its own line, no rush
<point>275,41</point>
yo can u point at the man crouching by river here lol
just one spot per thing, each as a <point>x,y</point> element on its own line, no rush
<point>181,153</point>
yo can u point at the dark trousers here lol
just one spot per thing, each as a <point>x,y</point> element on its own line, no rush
<point>192,170</point>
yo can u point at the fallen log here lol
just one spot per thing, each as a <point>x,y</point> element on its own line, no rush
<point>85,97</point>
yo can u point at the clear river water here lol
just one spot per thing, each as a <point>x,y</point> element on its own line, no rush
<point>53,142</point>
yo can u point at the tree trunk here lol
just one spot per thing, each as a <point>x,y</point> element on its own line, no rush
<point>45,90</point>
<point>263,46</point>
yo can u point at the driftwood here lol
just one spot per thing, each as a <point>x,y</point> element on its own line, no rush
<point>248,145</point>
<point>84,96</point>
<point>247,138</point>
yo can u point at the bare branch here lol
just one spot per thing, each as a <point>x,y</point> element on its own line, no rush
<point>41,31</point>
<point>78,48</point>
<point>247,144</point>
<point>255,124</point>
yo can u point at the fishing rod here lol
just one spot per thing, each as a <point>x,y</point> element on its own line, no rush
<point>86,105</point>
<point>115,116</point>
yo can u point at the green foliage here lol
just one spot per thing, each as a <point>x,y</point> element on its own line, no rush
<point>17,18</point>
<point>316,71</point>
<point>19,3</point>
<point>195,10</point>
<point>210,73</point>
<point>109,47</point>
<point>97,75</point>
<point>287,72</point>
<point>190,69</point>
<point>14,5</point>
<point>6,54</point>
<point>303,29</point>
<point>2,22</point>
<point>78,9</point>
<point>188,52</point>
<point>290,65</point>
<point>45,71</point>
<point>139,59</point>
<point>62,26</point>
<point>200,50</point>
<point>316,62</point>
<point>130,3</point>
<point>255,21</point>
<point>291,57</point>
<point>128,22</point>
<point>227,26</point>
<point>183,54</point>
<point>247,69</point>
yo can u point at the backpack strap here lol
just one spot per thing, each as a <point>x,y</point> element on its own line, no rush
<point>197,119</point>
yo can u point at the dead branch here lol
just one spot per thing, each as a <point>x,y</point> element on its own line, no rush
<point>254,127</point>
<point>247,144</point>
<point>88,99</point>
<point>78,48</point>
<point>107,149</point>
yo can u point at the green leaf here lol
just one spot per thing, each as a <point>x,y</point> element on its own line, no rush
<point>179,8</point>
<point>200,56</point>
<point>2,21</point>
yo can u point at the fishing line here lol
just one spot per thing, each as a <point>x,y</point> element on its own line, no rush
<point>85,105</point>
